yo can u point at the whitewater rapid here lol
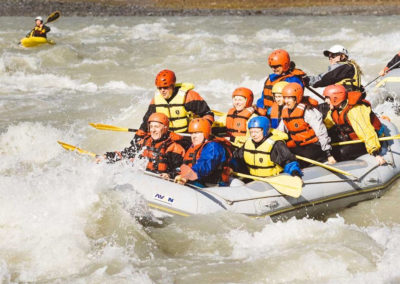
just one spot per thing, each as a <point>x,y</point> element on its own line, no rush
<point>66,219</point>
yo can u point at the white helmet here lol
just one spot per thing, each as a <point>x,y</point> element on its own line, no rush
<point>39,18</point>
<point>337,48</point>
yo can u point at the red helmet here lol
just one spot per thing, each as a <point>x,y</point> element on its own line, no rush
<point>279,57</point>
<point>160,118</point>
<point>165,78</point>
<point>200,125</point>
<point>246,93</point>
<point>293,90</point>
<point>336,94</point>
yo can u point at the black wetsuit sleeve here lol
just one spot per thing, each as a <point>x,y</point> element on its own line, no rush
<point>128,152</point>
<point>46,28</point>
<point>394,60</point>
<point>174,161</point>
<point>281,155</point>
<point>336,75</point>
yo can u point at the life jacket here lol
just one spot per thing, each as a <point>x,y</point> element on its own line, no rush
<point>352,84</point>
<point>236,122</point>
<point>156,152</point>
<point>267,93</point>
<point>175,108</point>
<point>38,32</point>
<point>343,126</point>
<point>258,159</point>
<point>300,131</point>
<point>222,171</point>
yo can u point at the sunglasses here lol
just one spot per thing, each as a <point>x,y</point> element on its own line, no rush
<point>275,66</point>
<point>163,88</point>
<point>333,55</point>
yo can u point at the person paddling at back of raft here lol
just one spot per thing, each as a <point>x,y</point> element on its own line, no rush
<point>283,70</point>
<point>395,61</point>
<point>206,161</point>
<point>351,118</point>
<point>275,111</point>
<point>234,123</point>
<point>176,101</point>
<point>39,30</point>
<point>266,153</point>
<point>341,71</point>
<point>308,136</point>
<point>160,146</point>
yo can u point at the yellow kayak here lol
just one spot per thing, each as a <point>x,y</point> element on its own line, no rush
<point>35,41</point>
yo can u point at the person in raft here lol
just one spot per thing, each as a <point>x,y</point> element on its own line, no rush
<point>206,161</point>
<point>351,118</point>
<point>177,101</point>
<point>283,69</point>
<point>234,123</point>
<point>308,136</point>
<point>266,153</point>
<point>159,145</point>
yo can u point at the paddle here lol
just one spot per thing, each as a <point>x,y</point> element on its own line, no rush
<point>111,127</point>
<point>315,92</point>
<point>53,16</point>
<point>121,129</point>
<point>381,76</point>
<point>218,113</point>
<point>74,148</point>
<point>361,141</point>
<point>285,184</point>
<point>333,169</point>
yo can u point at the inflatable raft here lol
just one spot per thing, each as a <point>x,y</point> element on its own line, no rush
<point>35,41</point>
<point>323,191</point>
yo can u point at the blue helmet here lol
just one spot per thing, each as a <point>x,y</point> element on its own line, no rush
<point>259,122</point>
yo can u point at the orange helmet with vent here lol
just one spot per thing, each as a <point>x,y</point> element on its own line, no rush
<point>246,93</point>
<point>165,78</point>
<point>293,90</point>
<point>160,118</point>
<point>336,94</point>
<point>200,125</point>
<point>279,57</point>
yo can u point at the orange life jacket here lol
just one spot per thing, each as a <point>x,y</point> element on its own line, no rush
<point>275,111</point>
<point>222,172</point>
<point>156,152</point>
<point>300,132</point>
<point>267,93</point>
<point>342,122</point>
<point>236,122</point>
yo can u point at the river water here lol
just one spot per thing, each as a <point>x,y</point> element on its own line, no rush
<point>61,219</point>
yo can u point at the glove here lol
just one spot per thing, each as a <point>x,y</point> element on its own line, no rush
<point>306,81</point>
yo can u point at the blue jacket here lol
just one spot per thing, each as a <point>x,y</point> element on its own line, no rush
<point>212,156</point>
<point>273,77</point>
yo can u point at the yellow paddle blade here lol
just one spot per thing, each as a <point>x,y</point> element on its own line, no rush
<point>328,167</point>
<point>287,185</point>
<point>108,127</point>
<point>74,148</point>
<point>361,141</point>
<point>218,113</point>
<point>53,16</point>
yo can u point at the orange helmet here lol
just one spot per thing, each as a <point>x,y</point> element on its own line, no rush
<point>246,93</point>
<point>165,78</point>
<point>160,118</point>
<point>279,57</point>
<point>336,94</point>
<point>293,90</point>
<point>200,125</point>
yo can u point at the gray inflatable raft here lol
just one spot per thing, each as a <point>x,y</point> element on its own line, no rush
<point>323,191</point>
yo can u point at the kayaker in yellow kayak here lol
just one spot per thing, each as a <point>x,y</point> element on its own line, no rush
<point>40,30</point>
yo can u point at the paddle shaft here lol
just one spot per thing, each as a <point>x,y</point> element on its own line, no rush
<point>360,141</point>
<point>380,75</point>
<point>315,93</point>
<point>333,169</point>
